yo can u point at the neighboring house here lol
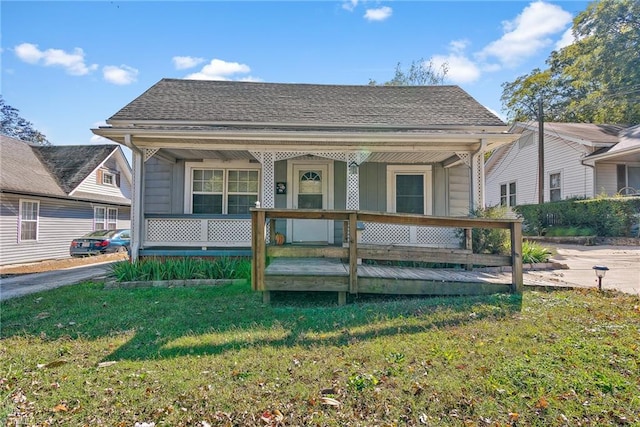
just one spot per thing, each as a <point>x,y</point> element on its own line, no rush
<point>617,167</point>
<point>204,152</point>
<point>575,163</point>
<point>52,194</point>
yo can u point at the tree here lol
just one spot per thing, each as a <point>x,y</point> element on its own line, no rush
<point>596,79</point>
<point>420,73</point>
<point>11,124</point>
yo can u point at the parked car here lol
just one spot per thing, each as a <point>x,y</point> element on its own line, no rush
<point>101,242</point>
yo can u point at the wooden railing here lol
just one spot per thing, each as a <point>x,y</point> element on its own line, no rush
<point>263,222</point>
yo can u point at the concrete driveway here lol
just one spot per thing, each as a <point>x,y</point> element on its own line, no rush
<point>623,263</point>
<point>12,287</point>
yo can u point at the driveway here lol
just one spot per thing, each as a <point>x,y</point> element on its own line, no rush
<point>12,287</point>
<point>623,263</point>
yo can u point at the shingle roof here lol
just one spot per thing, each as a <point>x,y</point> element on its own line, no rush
<point>48,170</point>
<point>306,104</point>
<point>629,140</point>
<point>589,132</point>
<point>70,164</point>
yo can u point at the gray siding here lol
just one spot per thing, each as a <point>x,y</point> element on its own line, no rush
<point>59,221</point>
<point>91,184</point>
<point>373,187</point>
<point>158,184</point>
<point>459,184</point>
<point>440,189</point>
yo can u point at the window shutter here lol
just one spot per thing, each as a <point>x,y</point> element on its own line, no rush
<point>118,180</point>
<point>99,176</point>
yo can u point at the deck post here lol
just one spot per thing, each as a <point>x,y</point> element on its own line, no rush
<point>342,298</point>
<point>353,253</point>
<point>516,257</point>
<point>258,238</point>
<point>266,297</point>
<point>468,245</point>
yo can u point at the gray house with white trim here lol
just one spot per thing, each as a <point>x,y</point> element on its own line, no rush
<point>204,152</point>
<point>51,194</point>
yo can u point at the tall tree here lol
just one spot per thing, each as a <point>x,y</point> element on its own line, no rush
<point>12,124</point>
<point>420,73</point>
<point>595,79</point>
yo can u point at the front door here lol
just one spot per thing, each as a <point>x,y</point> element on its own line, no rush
<point>311,191</point>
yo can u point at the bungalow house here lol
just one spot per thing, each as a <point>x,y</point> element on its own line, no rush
<point>205,152</point>
<point>580,160</point>
<point>52,194</point>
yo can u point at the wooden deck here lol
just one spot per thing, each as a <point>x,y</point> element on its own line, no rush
<point>338,268</point>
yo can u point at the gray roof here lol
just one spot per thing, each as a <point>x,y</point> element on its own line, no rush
<point>588,132</point>
<point>242,103</point>
<point>70,164</point>
<point>629,141</point>
<point>50,170</point>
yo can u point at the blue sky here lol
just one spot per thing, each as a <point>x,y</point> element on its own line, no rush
<point>68,66</point>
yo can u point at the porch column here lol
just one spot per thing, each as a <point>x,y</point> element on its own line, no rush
<point>268,180</point>
<point>137,215</point>
<point>477,181</point>
<point>353,181</point>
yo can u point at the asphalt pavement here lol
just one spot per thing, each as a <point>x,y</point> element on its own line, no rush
<point>12,287</point>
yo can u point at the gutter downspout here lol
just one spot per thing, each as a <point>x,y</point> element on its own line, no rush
<point>593,180</point>
<point>477,188</point>
<point>137,216</point>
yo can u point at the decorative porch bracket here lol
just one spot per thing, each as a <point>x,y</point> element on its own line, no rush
<point>149,153</point>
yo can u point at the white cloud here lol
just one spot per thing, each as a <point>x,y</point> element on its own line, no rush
<point>122,75</point>
<point>379,14</point>
<point>184,62</point>
<point>460,69</point>
<point>566,40</point>
<point>350,5</point>
<point>73,63</point>
<point>218,69</point>
<point>528,33</point>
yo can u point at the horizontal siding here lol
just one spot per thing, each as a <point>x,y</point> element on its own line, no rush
<point>521,165</point>
<point>459,184</point>
<point>606,178</point>
<point>59,222</point>
<point>157,186</point>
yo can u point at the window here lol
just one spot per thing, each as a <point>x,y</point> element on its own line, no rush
<point>108,178</point>
<point>28,226</point>
<point>105,218</point>
<point>409,189</point>
<point>628,176</point>
<point>555,192</point>
<point>508,194</point>
<point>223,191</point>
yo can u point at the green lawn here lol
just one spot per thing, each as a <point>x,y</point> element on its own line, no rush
<point>83,355</point>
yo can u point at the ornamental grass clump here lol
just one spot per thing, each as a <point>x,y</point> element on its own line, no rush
<point>157,269</point>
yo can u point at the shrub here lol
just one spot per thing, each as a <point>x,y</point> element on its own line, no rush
<point>490,240</point>
<point>533,253</point>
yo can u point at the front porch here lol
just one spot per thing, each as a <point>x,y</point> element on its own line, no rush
<point>347,269</point>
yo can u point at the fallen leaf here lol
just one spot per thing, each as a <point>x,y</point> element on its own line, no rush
<point>53,364</point>
<point>42,315</point>
<point>329,401</point>
<point>60,408</point>
<point>106,364</point>
<point>513,416</point>
<point>542,403</point>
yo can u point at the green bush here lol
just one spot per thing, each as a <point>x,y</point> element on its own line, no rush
<point>533,253</point>
<point>604,217</point>
<point>490,240</point>
<point>156,269</point>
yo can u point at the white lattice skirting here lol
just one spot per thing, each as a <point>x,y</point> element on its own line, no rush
<point>394,234</point>
<point>198,232</point>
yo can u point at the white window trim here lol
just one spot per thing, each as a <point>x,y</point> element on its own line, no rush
<point>425,170</point>
<point>37,202</point>
<point>556,172</point>
<point>507,184</point>
<point>238,165</point>
<point>105,174</point>
<point>105,222</point>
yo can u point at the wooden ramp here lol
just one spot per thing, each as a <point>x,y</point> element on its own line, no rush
<point>330,274</point>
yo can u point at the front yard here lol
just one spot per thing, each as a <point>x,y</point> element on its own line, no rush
<point>83,355</point>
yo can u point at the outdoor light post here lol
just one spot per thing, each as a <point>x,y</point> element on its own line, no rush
<point>600,270</point>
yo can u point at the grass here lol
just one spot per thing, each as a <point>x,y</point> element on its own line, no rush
<point>83,355</point>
